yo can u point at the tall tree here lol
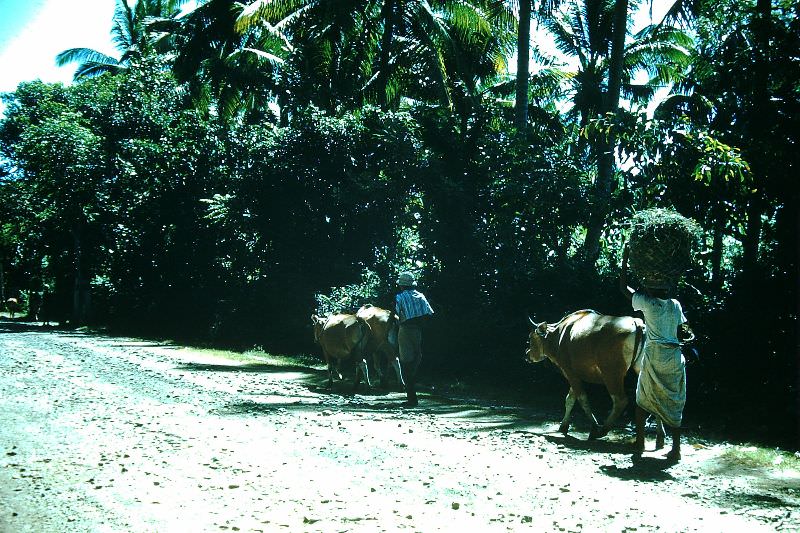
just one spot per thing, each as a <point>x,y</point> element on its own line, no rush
<point>604,184</point>
<point>525,7</point>
<point>360,51</point>
<point>223,68</point>
<point>523,64</point>
<point>129,33</point>
<point>594,32</point>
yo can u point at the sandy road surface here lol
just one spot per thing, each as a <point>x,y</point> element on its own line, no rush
<point>113,434</point>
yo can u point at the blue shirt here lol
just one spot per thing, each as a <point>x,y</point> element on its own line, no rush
<point>411,304</point>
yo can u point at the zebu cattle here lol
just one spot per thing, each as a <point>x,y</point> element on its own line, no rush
<point>342,338</point>
<point>382,344</point>
<point>593,348</point>
<point>13,306</point>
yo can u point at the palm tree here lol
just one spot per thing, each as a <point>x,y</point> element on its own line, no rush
<point>594,32</point>
<point>545,10</point>
<point>361,50</point>
<point>130,36</point>
<point>523,64</point>
<point>223,69</point>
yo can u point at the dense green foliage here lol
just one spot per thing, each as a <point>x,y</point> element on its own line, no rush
<point>242,167</point>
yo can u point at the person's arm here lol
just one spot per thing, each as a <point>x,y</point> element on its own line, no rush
<point>623,276</point>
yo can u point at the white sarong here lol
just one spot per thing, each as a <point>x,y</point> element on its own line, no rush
<point>661,388</point>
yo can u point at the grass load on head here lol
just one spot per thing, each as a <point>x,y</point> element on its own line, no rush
<point>662,244</point>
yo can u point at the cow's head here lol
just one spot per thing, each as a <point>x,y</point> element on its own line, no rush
<point>535,351</point>
<point>318,322</point>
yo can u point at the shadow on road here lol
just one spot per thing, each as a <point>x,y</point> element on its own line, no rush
<point>642,469</point>
<point>597,445</point>
<point>484,412</point>
<point>8,325</point>
<point>250,367</point>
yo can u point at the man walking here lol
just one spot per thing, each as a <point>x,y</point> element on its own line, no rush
<point>412,308</point>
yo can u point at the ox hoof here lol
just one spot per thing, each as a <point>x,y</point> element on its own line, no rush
<point>638,446</point>
<point>597,432</point>
<point>659,442</point>
<point>563,428</point>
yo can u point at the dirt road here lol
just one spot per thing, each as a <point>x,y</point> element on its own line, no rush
<point>112,434</point>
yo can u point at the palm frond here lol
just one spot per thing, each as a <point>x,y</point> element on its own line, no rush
<point>273,60</point>
<point>84,55</point>
<point>681,12</point>
<point>696,106</point>
<point>123,26</point>
<point>91,69</point>
<point>271,11</point>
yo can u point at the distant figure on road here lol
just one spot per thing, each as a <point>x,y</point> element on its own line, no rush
<point>12,305</point>
<point>412,309</point>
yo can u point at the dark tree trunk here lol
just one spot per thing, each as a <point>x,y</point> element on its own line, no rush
<point>80,294</point>
<point>760,119</point>
<point>523,67</point>
<point>717,252</point>
<point>388,16</point>
<point>604,185</point>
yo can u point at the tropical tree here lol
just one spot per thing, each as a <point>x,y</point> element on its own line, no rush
<point>62,165</point>
<point>130,35</point>
<point>224,69</point>
<point>525,8</point>
<point>348,53</point>
<point>594,32</point>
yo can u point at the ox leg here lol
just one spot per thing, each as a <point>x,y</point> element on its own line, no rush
<point>330,374</point>
<point>618,404</point>
<point>398,371</point>
<point>583,399</point>
<point>362,369</point>
<point>569,404</point>
<point>329,360</point>
<point>377,362</point>
<point>365,370</point>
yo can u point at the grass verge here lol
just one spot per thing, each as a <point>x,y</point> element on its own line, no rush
<point>758,458</point>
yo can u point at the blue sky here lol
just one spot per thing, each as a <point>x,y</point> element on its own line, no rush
<point>33,32</point>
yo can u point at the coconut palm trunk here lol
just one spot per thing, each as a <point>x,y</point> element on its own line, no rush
<point>523,66</point>
<point>605,183</point>
<point>388,15</point>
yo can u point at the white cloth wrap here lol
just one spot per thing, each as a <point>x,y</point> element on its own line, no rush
<point>661,388</point>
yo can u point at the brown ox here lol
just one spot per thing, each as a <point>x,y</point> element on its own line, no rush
<point>382,345</point>
<point>593,348</point>
<point>342,338</point>
<point>13,306</point>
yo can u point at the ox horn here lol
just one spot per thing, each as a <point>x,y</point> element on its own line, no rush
<point>534,324</point>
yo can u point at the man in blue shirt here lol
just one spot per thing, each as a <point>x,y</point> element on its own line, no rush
<point>412,307</point>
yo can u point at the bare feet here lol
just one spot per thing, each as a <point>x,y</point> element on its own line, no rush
<point>674,455</point>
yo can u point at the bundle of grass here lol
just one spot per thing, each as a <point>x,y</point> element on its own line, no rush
<point>662,244</point>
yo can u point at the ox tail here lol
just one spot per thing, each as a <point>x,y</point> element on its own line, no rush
<point>638,345</point>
